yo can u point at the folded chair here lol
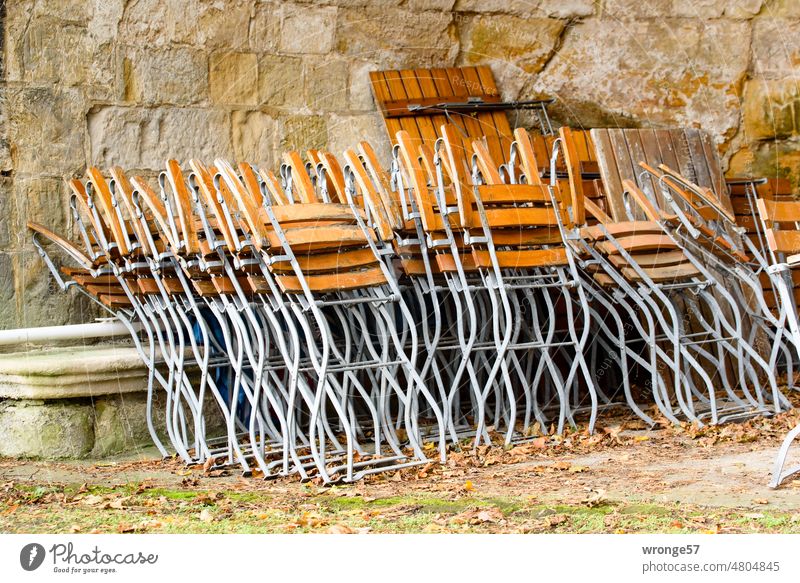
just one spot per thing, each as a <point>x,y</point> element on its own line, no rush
<point>778,220</point>
<point>523,246</point>
<point>709,227</point>
<point>129,296</point>
<point>343,294</point>
<point>672,289</point>
<point>731,301</point>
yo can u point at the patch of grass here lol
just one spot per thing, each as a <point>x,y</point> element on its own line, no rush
<point>645,509</point>
<point>47,508</point>
<point>172,494</point>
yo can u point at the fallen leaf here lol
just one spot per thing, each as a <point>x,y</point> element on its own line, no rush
<point>340,529</point>
<point>468,486</point>
<point>760,501</point>
<point>118,503</point>
<point>493,514</point>
<point>595,498</point>
<point>11,509</point>
<point>92,500</point>
<point>206,515</point>
<point>539,443</point>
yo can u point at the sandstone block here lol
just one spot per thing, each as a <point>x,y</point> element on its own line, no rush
<point>783,9</point>
<point>774,159</point>
<point>143,138</point>
<point>345,131</point>
<point>120,423</point>
<point>6,204</point>
<point>44,302</point>
<point>422,5</point>
<point>104,24</point>
<point>234,78</point>
<point>771,109</point>
<point>306,29</point>
<point>301,132</point>
<point>633,70</point>
<point>44,129</point>
<point>8,307</point>
<point>254,137</point>
<point>45,430</point>
<point>69,10</point>
<point>525,43</point>
<point>360,90</point>
<point>280,81</point>
<point>42,200</point>
<point>375,33</point>
<point>265,28</point>
<point>65,57</point>
<point>166,76</point>
<point>326,85</point>
<point>205,23</point>
<point>535,8</point>
<point>776,48</point>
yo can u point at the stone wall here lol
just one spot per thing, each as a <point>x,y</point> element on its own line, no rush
<point>132,82</point>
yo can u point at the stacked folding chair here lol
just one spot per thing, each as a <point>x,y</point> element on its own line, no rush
<point>334,318</point>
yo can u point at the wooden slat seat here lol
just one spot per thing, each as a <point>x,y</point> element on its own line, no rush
<point>638,243</point>
<point>331,282</point>
<point>447,263</point>
<point>328,238</point>
<point>523,258</point>
<point>74,253</point>
<point>622,229</point>
<point>663,274</point>
<point>659,259</point>
<point>312,213</point>
<point>325,262</point>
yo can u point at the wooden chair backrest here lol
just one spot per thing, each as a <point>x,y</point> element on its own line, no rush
<point>395,91</point>
<point>204,178</point>
<point>108,213</point>
<point>183,205</point>
<point>382,183</point>
<point>690,152</point>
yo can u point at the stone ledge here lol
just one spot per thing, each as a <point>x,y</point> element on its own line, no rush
<point>79,402</point>
<point>74,372</point>
<point>74,402</point>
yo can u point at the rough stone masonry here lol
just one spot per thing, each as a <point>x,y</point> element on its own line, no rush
<point>134,82</point>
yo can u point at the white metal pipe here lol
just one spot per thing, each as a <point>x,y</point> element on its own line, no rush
<point>102,329</point>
